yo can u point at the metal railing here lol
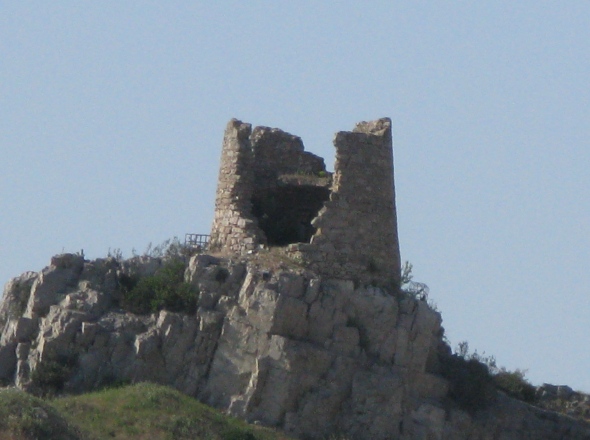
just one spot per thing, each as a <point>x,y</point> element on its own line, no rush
<point>196,241</point>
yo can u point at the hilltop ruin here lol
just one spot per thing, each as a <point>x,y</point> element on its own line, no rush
<point>271,192</point>
<point>315,349</point>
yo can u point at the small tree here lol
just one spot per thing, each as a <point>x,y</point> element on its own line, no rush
<point>407,285</point>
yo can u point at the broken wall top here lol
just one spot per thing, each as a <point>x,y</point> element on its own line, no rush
<point>271,192</point>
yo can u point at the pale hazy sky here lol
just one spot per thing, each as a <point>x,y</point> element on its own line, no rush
<point>112,116</point>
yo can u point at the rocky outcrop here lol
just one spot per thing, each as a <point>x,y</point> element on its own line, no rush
<point>563,399</point>
<point>271,343</point>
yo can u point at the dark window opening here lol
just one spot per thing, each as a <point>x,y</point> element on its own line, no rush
<point>285,213</point>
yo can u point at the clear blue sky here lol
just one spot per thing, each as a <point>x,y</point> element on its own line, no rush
<point>112,116</point>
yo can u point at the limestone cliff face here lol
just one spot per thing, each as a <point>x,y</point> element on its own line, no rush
<point>272,343</point>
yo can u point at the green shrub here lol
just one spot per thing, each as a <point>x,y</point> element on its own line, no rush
<point>514,384</point>
<point>462,350</point>
<point>165,289</point>
<point>475,376</point>
<point>471,385</point>
<point>51,374</point>
<point>127,282</point>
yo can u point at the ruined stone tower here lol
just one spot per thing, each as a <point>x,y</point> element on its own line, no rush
<point>271,192</point>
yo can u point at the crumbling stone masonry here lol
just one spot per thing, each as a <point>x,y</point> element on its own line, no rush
<point>271,192</point>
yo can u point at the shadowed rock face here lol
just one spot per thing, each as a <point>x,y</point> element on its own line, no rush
<point>283,346</point>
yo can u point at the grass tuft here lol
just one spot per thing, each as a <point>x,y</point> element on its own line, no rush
<point>150,411</point>
<point>23,416</point>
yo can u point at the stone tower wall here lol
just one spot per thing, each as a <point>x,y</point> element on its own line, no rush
<point>234,229</point>
<point>276,152</point>
<point>252,160</point>
<point>356,235</point>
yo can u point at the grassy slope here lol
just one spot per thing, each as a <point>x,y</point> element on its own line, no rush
<point>23,416</point>
<point>142,411</point>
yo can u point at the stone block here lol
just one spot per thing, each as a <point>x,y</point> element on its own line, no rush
<point>291,284</point>
<point>290,317</point>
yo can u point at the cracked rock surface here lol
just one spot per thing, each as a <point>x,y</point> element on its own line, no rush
<point>275,345</point>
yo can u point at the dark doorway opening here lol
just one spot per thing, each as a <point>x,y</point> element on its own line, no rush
<point>285,213</point>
